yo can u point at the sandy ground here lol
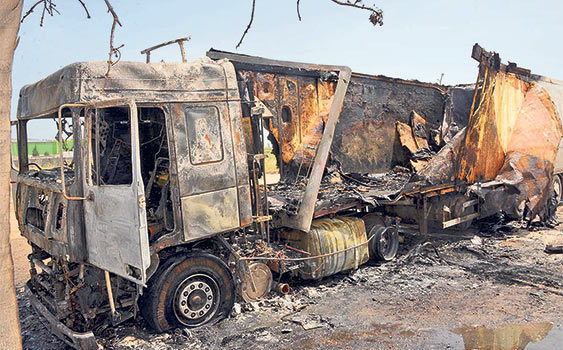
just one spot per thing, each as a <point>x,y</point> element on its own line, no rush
<point>491,287</point>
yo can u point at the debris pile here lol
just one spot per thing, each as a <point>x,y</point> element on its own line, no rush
<point>339,189</point>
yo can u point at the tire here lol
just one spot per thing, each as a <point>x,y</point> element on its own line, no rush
<point>557,188</point>
<point>188,291</point>
<point>385,244</point>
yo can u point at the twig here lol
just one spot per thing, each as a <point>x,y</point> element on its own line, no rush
<point>31,9</point>
<point>376,16</point>
<point>85,9</point>
<point>112,50</point>
<point>48,7</point>
<point>249,24</point>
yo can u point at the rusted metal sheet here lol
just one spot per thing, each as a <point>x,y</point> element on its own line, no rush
<point>327,237</point>
<point>366,140</point>
<point>512,140</point>
<point>442,167</point>
<point>529,156</point>
<point>305,215</point>
<point>490,127</point>
<point>299,107</point>
<point>414,138</point>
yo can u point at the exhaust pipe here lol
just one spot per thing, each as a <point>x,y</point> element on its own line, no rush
<point>282,288</point>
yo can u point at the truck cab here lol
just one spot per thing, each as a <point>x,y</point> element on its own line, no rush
<point>151,162</point>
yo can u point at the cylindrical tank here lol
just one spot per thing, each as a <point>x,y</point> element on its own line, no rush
<point>327,236</point>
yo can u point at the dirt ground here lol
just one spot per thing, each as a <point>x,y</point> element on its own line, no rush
<point>490,287</point>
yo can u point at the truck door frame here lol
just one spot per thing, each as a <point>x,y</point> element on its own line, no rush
<point>115,215</point>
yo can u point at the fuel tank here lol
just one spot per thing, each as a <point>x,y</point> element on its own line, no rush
<point>332,239</point>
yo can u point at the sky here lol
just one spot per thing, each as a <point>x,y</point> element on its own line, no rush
<point>419,39</point>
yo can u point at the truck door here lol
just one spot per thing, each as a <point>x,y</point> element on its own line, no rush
<point>207,173</point>
<point>115,216</point>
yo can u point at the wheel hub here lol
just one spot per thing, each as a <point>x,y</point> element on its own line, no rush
<point>385,241</point>
<point>195,299</point>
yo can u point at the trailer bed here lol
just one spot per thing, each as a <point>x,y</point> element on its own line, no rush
<point>339,191</point>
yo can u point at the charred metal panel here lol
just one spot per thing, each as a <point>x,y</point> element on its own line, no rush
<point>299,107</point>
<point>210,213</point>
<point>240,164</point>
<point>366,140</point>
<point>244,203</point>
<point>112,240</point>
<point>296,95</point>
<point>212,166</point>
<point>39,219</point>
<point>203,128</point>
<point>212,174</point>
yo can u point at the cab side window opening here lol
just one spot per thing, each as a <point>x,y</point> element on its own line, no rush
<point>111,157</point>
<point>41,142</point>
<point>204,134</point>
<point>111,147</point>
<point>155,165</point>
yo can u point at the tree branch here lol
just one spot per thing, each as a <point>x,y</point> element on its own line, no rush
<point>376,15</point>
<point>249,24</point>
<point>112,50</point>
<point>48,7</point>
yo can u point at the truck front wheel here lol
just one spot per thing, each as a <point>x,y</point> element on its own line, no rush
<point>188,292</point>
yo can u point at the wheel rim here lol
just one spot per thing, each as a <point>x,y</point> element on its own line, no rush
<point>387,244</point>
<point>196,299</point>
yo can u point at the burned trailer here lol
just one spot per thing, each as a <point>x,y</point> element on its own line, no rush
<point>420,153</point>
<point>386,131</point>
<point>510,156</point>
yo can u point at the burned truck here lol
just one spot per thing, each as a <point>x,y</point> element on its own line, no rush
<point>160,205</point>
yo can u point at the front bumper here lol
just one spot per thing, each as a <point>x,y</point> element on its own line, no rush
<point>78,340</point>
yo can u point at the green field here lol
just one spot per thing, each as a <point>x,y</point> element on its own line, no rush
<point>43,148</point>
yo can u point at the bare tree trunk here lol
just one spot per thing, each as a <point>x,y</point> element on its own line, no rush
<point>10,14</point>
